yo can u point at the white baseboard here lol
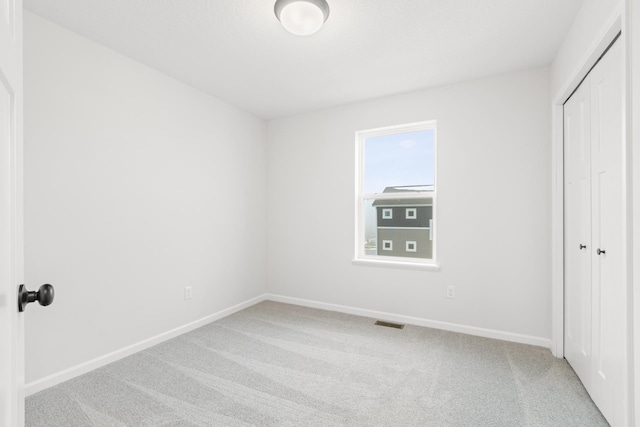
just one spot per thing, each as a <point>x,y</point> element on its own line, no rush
<point>469,330</point>
<point>67,374</point>
<point>98,362</point>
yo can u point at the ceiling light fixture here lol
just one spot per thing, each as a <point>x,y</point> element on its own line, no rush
<point>302,17</point>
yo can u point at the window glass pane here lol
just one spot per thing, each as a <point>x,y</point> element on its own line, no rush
<point>399,236</point>
<point>370,230</point>
<point>395,171</point>
<point>399,160</point>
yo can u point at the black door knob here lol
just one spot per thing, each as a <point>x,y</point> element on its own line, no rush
<point>600,251</point>
<point>44,296</point>
<point>582,246</point>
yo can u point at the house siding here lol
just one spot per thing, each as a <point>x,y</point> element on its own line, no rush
<point>399,217</point>
<point>399,237</point>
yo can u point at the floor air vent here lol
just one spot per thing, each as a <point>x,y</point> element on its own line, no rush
<point>389,324</point>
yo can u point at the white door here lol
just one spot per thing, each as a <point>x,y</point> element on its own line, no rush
<point>607,234</point>
<point>577,233</point>
<point>11,269</point>
<point>595,244</point>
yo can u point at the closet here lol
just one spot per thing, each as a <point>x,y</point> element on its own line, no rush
<point>594,235</point>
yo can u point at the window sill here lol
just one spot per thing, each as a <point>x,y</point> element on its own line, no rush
<point>396,264</point>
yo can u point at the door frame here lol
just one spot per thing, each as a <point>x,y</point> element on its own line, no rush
<point>616,25</point>
<point>12,224</point>
<point>632,14</point>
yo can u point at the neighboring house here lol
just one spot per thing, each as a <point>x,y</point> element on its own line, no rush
<point>404,225</point>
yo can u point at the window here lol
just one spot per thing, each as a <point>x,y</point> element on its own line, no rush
<point>396,171</point>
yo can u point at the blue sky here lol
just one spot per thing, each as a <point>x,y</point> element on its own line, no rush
<point>399,159</point>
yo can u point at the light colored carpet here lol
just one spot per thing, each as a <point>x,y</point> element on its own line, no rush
<point>275,364</point>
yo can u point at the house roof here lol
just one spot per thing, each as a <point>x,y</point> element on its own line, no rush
<point>408,188</point>
<point>422,201</point>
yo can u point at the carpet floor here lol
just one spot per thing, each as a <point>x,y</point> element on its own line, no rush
<point>276,364</point>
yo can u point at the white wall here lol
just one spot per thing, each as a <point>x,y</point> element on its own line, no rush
<point>493,206</point>
<point>136,185</point>
<point>590,25</point>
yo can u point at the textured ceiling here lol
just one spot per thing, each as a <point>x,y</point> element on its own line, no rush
<point>237,51</point>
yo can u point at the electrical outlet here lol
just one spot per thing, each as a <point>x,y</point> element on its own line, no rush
<point>451,291</point>
<point>187,292</point>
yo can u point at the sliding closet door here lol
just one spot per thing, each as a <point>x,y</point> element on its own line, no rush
<point>577,238</point>
<point>608,257</point>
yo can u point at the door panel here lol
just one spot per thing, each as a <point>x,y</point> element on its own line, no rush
<point>577,232</point>
<point>609,350</point>
<point>7,15</point>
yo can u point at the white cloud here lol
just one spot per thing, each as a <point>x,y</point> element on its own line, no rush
<point>407,143</point>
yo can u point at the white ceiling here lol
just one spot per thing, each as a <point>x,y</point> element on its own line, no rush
<point>237,51</point>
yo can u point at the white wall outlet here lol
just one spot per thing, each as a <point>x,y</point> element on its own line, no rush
<point>451,291</point>
<point>188,292</point>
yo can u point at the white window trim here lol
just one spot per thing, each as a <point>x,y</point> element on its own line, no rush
<point>403,228</point>
<point>395,262</point>
<point>415,246</point>
<point>390,242</point>
<point>360,257</point>
<point>387,211</point>
<point>411,210</point>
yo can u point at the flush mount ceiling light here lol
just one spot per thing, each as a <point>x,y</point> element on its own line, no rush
<point>302,17</point>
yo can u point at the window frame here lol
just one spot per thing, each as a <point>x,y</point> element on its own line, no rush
<point>385,211</point>
<point>360,199</point>
<point>406,213</point>
<point>411,242</point>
